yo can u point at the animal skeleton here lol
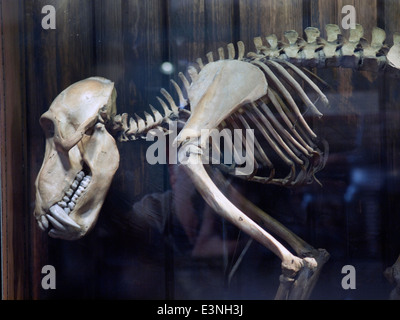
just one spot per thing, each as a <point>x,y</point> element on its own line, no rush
<point>260,91</point>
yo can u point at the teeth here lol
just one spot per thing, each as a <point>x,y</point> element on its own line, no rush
<point>44,221</point>
<point>69,193</point>
<point>62,204</point>
<point>84,183</point>
<point>55,223</point>
<point>80,176</point>
<point>68,202</point>
<point>75,184</point>
<point>55,210</point>
<point>61,217</point>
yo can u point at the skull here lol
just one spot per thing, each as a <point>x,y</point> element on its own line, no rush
<point>80,159</point>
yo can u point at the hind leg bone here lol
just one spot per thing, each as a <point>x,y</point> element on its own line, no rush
<point>298,274</point>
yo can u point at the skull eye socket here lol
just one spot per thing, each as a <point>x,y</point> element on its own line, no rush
<point>47,126</point>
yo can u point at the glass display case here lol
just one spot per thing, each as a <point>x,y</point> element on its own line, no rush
<point>156,237</point>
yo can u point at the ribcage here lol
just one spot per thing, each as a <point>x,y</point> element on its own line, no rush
<point>285,150</point>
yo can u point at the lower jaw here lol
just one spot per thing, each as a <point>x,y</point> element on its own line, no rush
<point>76,190</point>
<point>67,204</point>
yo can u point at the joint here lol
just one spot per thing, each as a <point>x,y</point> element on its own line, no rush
<point>291,267</point>
<point>186,151</point>
<point>103,116</point>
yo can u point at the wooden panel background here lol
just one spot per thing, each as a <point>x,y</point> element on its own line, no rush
<point>126,41</point>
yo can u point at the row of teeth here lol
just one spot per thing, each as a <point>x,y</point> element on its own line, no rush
<point>76,189</point>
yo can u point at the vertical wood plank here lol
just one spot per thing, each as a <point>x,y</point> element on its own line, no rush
<point>131,45</point>
<point>390,98</point>
<point>187,42</point>
<point>186,31</point>
<point>366,14</point>
<point>220,24</point>
<point>196,28</point>
<point>55,59</point>
<point>265,17</point>
<point>326,11</point>
<point>15,230</point>
<point>109,44</point>
<point>352,118</point>
<point>130,48</point>
<point>391,13</point>
<point>323,12</point>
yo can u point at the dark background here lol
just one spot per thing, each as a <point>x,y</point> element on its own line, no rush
<point>355,215</point>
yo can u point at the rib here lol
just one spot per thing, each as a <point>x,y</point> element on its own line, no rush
<point>264,158</point>
<point>287,96</point>
<point>303,76</point>
<point>283,131</point>
<point>275,147</point>
<point>276,135</point>
<point>299,90</point>
<point>279,105</point>
<point>250,156</point>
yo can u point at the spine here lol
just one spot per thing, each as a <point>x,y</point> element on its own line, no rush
<point>314,51</point>
<point>335,51</point>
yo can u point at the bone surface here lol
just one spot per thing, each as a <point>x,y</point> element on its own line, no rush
<point>220,89</point>
<point>256,91</point>
<point>69,197</point>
